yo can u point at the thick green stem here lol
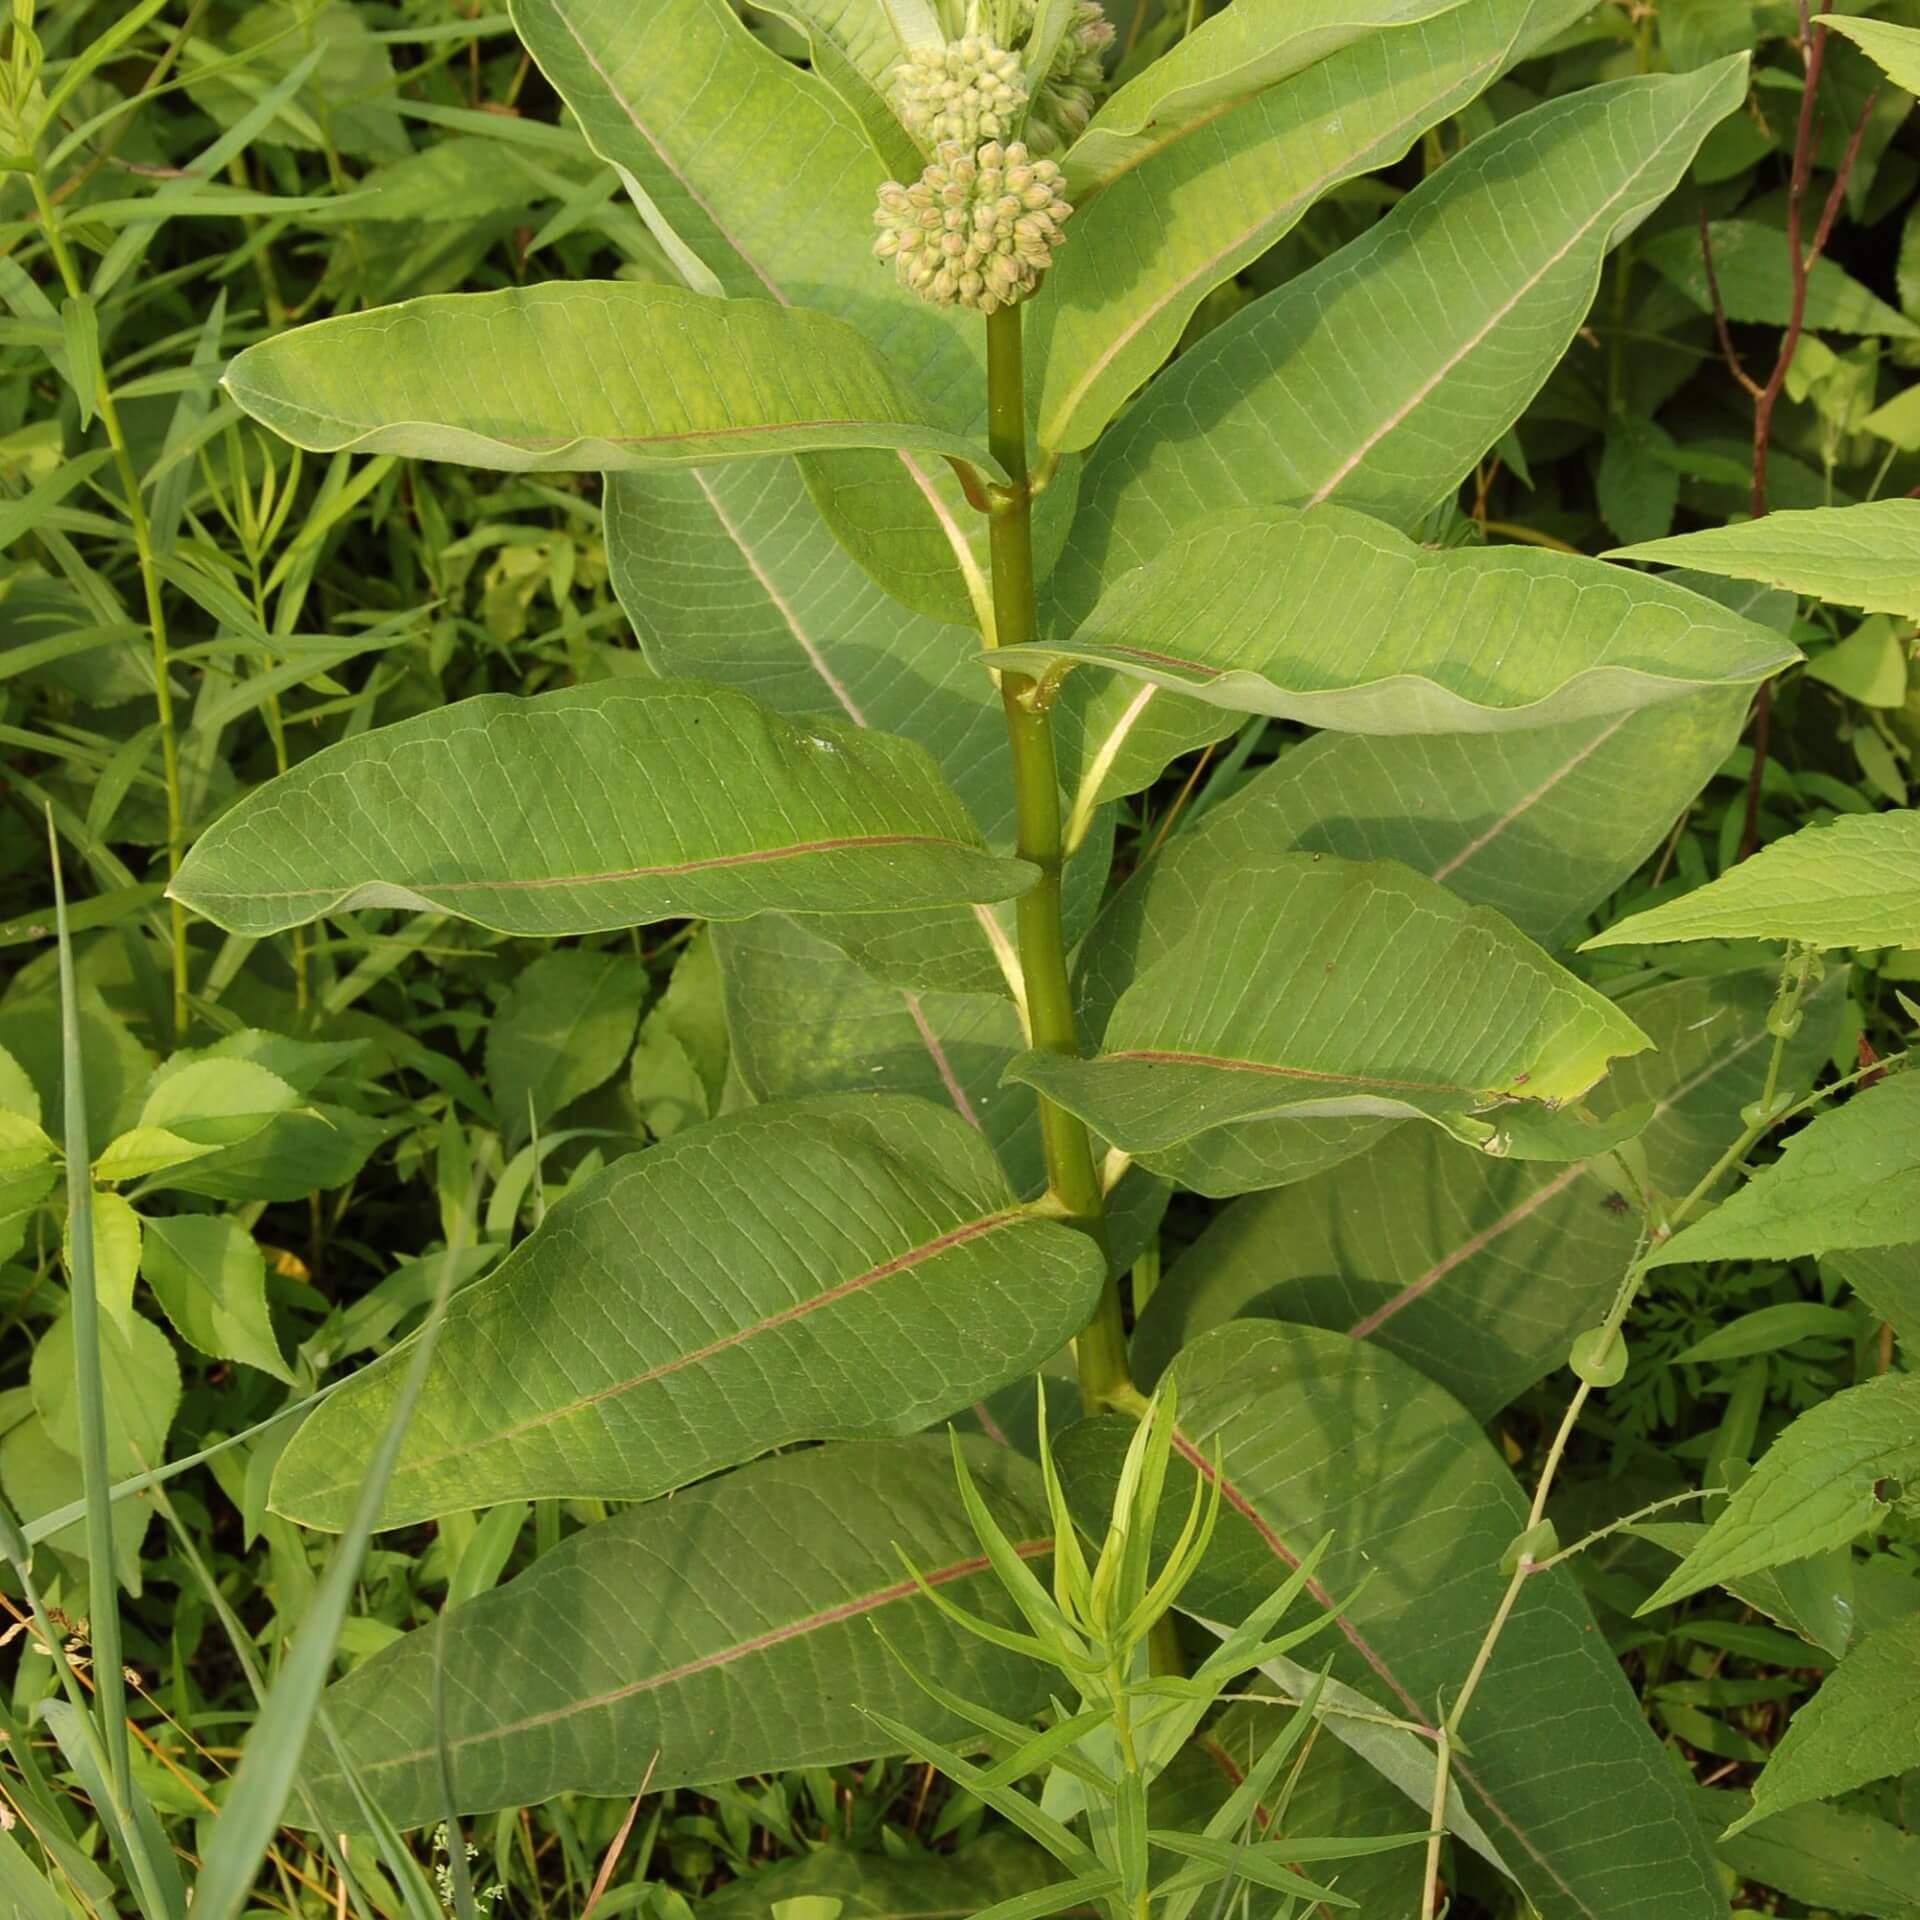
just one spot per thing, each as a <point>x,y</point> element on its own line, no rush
<point>1071,1171</point>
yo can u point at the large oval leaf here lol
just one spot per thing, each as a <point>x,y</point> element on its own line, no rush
<point>1320,987</point>
<point>1480,1271</point>
<point>1379,377</point>
<point>684,1642</point>
<point>584,375</point>
<point>1199,202</point>
<point>1329,618</point>
<point>596,807</point>
<point>836,1268</point>
<point>1318,1433</point>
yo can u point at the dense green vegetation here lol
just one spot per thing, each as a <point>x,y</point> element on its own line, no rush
<point>1359,1069</point>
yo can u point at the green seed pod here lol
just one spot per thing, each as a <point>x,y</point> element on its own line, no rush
<point>963,235</point>
<point>968,91</point>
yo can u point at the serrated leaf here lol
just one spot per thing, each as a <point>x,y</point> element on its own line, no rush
<point>688,1637</point>
<point>1190,212</point>
<point>794,818</point>
<point>1320,1433</point>
<point>1328,618</point>
<point>836,1268</point>
<point>1852,883</point>
<point>1867,555</point>
<point>584,375</point>
<point>1828,1477</point>
<point>1751,272</point>
<point>195,1108</point>
<point>1862,1725</point>
<point>1894,49</point>
<point>1830,1857</point>
<point>1334,988</point>
<point>211,1279</point>
<point>1850,1178</point>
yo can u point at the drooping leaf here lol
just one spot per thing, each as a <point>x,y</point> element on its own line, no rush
<point>584,823</point>
<point>1863,1725</point>
<point>563,1030</point>
<point>689,1637</point>
<point>1851,1178</point>
<point>1318,1433</point>
<point>1852,883</point>
<point>1227,59</point>
<point>583,375</point>
<point>836,1268</point>
<point>1334,988</point>
<point>1196,205</point>
<point>1756,284</point>
<point>1867,555</point>
<point>1379,377</point>
<point>1479,1271</point>
<point>1328,618</point>
<point>211,1278</point>
<point>1830,1857</point>
<point>1828,1477</point>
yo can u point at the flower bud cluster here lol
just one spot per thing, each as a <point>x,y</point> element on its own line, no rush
<point>976,229</point>
<point>1074,84</point>
<point>968,90</point>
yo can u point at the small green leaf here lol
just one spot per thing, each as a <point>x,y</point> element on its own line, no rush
<point>1599,1357</point>
<point>208,1274</point>
<point>1895,49</point>
<point>563,1030</point>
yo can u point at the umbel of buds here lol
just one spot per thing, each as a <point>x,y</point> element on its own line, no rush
<point>1075,80</point>
<point>976,229</point>
<point>968,90</point>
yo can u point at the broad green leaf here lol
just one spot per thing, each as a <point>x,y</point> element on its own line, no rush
<point>1190,211</point>
<point>1830,1857</point>
<point>324,1145</point>
<point>563,1030</point>
<point>208,1274</point>
<point>1479,1271</point>
<point>116,1254</point>
<point>1851,1178</point>
<point>769,180</point>
<point>194,1110</point>
<point>1863,1725</point>
<point>1867,555</point>
<point>804,1019</point>
<point>690,1637</point>
<point>1751,272</point>
<point>872,1887</point>
<point>1333,988</point>
<point>18,1095</point>
<point>41,1477</point>
<point>1225,60</point>
<point>836,1268</point>
<point>1828,1478</point>
<point>1895,49</point>
<point>572,376</point>
<point>1852,883</point>
<point>1380,376</point>
<point>585,824</point>
<point>1318,1433</point>
<point>1328,618</point>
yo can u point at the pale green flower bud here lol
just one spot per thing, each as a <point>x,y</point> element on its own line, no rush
<point>968,90</point>
<point>1076,80</point>
<point>961,235</point>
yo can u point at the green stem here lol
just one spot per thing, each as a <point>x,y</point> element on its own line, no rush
<point>1071,1173</point>
<point>156,608</point>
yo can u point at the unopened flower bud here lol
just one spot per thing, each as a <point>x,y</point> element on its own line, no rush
<point>968,90</point>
